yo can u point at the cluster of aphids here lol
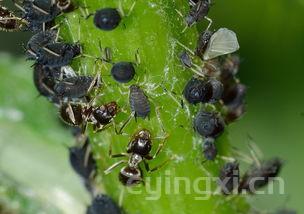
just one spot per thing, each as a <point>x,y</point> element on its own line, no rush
<point>214,86</point>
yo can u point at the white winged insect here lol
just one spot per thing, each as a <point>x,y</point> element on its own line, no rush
<point>223,41</point>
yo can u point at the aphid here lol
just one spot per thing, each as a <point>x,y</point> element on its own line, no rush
<point>44,80</point>
<point>8,21</point>
<point>198,12</point>
<point>212,68</point>
<point>223,41</point>
<point>208,124</point>
<point>107,19</point>
<point>209,149</point>
<point>215,90</point>
<point>229,177</point>
<point>186,59</point>
<point>38,41</point>
<point>40,11</point>
<point>75,87</point>
<point>57,54</point>
<point>195,91</point>
<point>139,102</point>
<point>123,72</point>
<point>234,96</point>
<point>230,66</point>
<point>82,160</point>
<point>202,43</point>
<point>259,176</point>
<point>138,151</point>
<point>103,204</point>
<point>235,113</point>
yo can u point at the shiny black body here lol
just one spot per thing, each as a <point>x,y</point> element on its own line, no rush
<point>103,204</point>
<point>123,72</point>
<point>139,102</point>
<point>107,19</point>
<point>195,91</point>
<point>229,177</point>
<point>265,173</point>
<point>208,124</point>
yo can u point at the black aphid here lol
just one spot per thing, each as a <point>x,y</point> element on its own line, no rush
<point>209,149</point>
<point>198,12</point>
<point>229,177</point>
<point>103,115</point>
<point>107,19</point>
<point>58,54</point>
<point>215,90</point>
<point>103,204</point>
<point>185,59</point>
<point>259,176</point>
<point>8,21</point>
<point>40,11</point>
<point>38,41</point>
<point>82,161</point>
<point>234,96</point>
<point>123,72</point>
<point>235,113</point>
<point>202,43</point>
<point>139,102</point>
<point>195,91</point>
<point>44,80</point>
<point>75,87</point>
<point>208,124</point>
<point>230,66</point>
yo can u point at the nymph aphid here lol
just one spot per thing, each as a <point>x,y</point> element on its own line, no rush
<point>107,19</point>
<point>103,204</point>
<point>208,124</point>
<point>139,102</point>
<point>123,72</point>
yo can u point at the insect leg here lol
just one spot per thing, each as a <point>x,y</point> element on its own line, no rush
<point>109,170</point>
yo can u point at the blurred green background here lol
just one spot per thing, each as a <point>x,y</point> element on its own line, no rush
<point>271,35</point>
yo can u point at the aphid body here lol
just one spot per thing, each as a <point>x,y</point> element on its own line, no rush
<point>139,102</point>
<point>123,72</point>
<point>107,19</point>
<point>259,176</point>
<point>195,91</point>
<point>103,204</point>
<point>198,12</point>
<point>208,124</point>
<point>209,149</point>
<point>229,177</point>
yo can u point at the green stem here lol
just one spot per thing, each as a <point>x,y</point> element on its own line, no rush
<point>153,29</point>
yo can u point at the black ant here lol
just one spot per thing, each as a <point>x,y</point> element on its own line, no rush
<point>138,151</point>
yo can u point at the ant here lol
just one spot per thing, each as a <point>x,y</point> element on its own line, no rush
<point>137,151</point>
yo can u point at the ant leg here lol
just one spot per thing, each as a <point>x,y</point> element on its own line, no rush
<point>116,155</point>
<point>109,170</point>
<point>157,167</point>
<point>125,124</point>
